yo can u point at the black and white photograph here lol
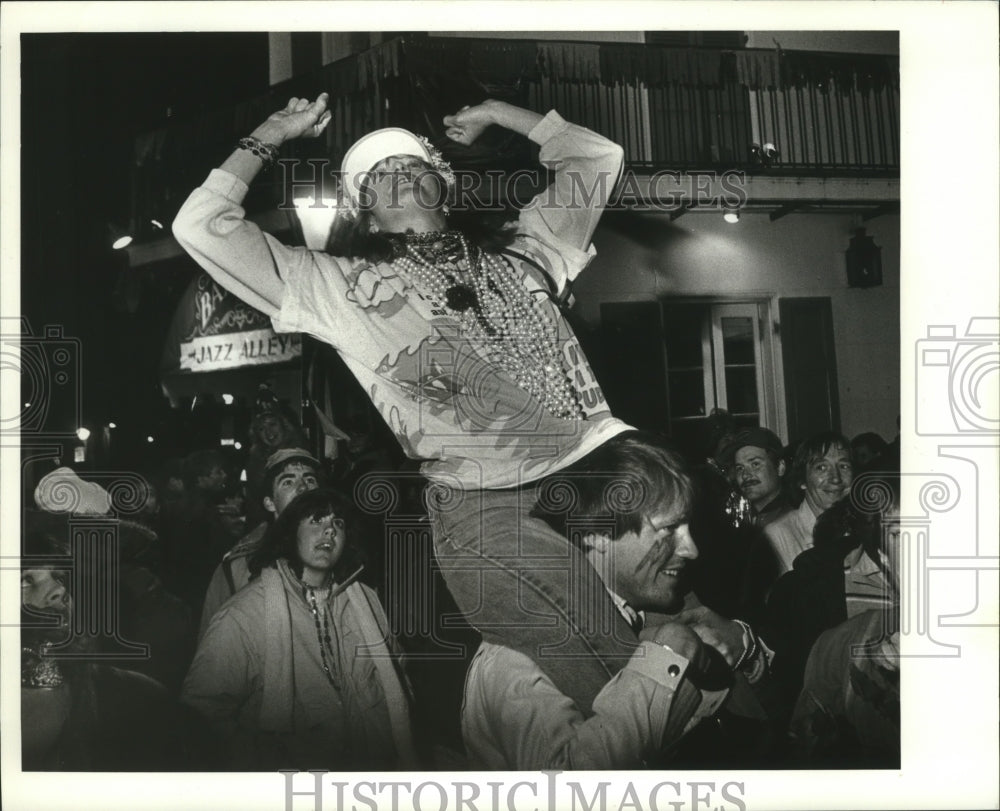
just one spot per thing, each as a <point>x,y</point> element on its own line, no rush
<point>404,409</point>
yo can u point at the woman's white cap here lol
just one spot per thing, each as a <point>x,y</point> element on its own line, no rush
<point>373,147</point>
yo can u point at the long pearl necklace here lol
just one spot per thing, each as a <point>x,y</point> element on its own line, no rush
<point>322,633</point>
<point>495,309</point>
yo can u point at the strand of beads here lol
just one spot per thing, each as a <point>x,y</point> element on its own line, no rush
<point>432,279</point>
<point>525,339</point>
<point>500,312</point>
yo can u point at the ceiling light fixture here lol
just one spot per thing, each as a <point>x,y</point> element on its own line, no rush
<point>120,237</point>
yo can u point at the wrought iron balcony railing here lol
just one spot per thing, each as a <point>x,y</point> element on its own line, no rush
<point>764,111</point>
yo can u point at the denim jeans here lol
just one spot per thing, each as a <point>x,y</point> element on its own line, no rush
<point>523,585</point>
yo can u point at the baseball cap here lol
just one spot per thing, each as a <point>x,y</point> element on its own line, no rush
<point>753,437</point>
<point>285,455</point>
<point>373,147</point>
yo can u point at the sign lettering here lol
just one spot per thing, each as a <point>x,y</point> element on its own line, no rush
<point>231,350</point>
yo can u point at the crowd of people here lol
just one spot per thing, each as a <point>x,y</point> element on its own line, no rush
<point>593,600</point>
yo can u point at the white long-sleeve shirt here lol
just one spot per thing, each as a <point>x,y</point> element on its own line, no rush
<point>445,400</point>
<point>791,535</point>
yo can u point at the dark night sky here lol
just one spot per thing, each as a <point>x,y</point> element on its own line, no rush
<point>84,98</point>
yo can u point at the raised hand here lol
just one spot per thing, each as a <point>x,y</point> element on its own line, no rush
<point>467,124</point>
<point>301,118</point>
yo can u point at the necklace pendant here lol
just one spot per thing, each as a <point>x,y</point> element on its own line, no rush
<point>460,297</point>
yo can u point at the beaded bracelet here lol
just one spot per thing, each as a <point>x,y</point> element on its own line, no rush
<point>750,649</point>
<point>268,153</point>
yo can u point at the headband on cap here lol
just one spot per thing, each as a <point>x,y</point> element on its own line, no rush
<point>376,146</point>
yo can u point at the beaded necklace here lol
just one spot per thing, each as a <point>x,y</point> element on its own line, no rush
<point>322,632</point>
<point>494,308</point>
<point>38,668</point>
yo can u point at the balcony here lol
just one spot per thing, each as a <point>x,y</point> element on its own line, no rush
<point>832,119</point>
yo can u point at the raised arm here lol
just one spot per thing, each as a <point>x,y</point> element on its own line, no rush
<point>299,119</point>
<point>467,124</point>
<point>586,167</point>
<point>211,225</point>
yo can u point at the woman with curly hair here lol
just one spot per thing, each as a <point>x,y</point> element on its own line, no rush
<point>298,669</point>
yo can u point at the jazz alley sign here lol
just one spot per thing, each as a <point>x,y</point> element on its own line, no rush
<point>233,350</point>
<point>214,331</point>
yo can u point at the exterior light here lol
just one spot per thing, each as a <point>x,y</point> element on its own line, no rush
<point>150,439</point>
<point>315,219</point>
<point>120,237</point>
<point>732,216</point>
<point>227,399</point>
<point>83,434</point>
<point>112,425</point>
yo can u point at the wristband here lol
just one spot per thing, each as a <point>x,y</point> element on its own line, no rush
<point>268,153</point>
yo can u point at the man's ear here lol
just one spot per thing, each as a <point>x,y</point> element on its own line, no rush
<point>270,506</point>
<point>781,467</point>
